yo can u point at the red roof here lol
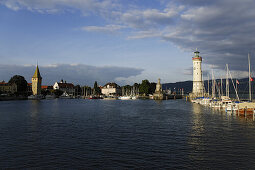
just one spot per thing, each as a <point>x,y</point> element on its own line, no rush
<point>44,87</point>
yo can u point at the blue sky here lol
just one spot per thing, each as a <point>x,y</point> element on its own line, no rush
<point>145,39</point>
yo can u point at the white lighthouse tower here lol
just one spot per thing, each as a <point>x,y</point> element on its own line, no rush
<point>197,75</point>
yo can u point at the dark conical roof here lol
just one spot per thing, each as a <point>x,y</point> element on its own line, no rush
<point>37,73</point>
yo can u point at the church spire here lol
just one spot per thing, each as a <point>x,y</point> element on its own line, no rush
<point>37,73</point>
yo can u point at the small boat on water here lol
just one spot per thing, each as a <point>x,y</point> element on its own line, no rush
<point>205,101</point>
<point>133,97</point>
<point>232,106</point>
<point>35,97</point>
<point>125,98</point>
<point>95,97</point>
<point>65,95</point>
<point>110,98</point>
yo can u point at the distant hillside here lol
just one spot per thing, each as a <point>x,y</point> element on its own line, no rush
<point>186,85</point>
<point>243,87</point>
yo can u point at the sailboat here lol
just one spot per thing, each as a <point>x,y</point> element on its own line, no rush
<point>247,108</point>
<point>228,104</point>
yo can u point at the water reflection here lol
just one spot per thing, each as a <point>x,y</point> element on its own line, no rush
<point>34,109</point>
<point>55,109</point>
<point>196,108</point>
<point>195,140</point>
<point>159,102</point>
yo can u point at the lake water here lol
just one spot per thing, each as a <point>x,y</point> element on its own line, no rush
<point>96,134</point>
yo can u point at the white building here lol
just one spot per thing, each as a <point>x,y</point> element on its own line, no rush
<point>111,89</point>
<point>65,87</point>
<point>197,75</point>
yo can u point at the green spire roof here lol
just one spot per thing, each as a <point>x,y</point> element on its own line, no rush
<point>37,73</point>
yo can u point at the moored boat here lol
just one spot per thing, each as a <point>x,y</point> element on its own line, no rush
<point>65,95</point>
<point>124,98</point>
<point>110,98</point>
<point>35,97</point>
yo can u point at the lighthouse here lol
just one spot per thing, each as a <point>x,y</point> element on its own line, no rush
<point>197,75</point>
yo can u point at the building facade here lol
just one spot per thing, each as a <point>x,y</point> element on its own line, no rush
<point>36,82</point>
<point>198,87</point>
<point>65,87</point>
<point>111,89</point>
<point>8,88</point>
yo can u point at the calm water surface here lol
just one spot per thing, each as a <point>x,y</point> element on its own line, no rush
<point>96,134</point>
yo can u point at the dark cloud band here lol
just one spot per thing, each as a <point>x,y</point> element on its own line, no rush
<point>78,74</point>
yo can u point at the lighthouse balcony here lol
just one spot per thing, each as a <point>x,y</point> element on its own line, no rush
<point>197,58</point>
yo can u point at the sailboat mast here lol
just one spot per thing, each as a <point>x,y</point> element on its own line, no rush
<point>213,85</point>
<point>208,86</point>
<point>203,86</point>
<point>221,89</point>
<point>227,83</point>
<point>249,76</point>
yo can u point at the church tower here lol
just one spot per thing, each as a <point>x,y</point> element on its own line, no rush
<point>197,75</point>
<point>36,82</point>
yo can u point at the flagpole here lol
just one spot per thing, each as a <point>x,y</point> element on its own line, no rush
<point>249,76</point>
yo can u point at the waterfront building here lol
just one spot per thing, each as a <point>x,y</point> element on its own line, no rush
<point>7,87</point>
<point>198,87</point>
<point>158,95</point>
<point>65,87</point>
<point>111,89</point>
<point>43,87</point>
<point>36,82</point>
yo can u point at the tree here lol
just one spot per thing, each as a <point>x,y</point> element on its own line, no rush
<point>127,90</point>
<point>58,92</point>
<point>45,92</point>
<point>152,88</point>
<point>144,88</point>
<point>136,85</point>
<point>97,90</point>
<point>21,83</point>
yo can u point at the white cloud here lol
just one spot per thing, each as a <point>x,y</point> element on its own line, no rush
<point>50,6</point>
<point>107,28</point>
<point>144,34</point>
<point>149,18</point>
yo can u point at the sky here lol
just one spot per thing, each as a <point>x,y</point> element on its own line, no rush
<point>124,41</point>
